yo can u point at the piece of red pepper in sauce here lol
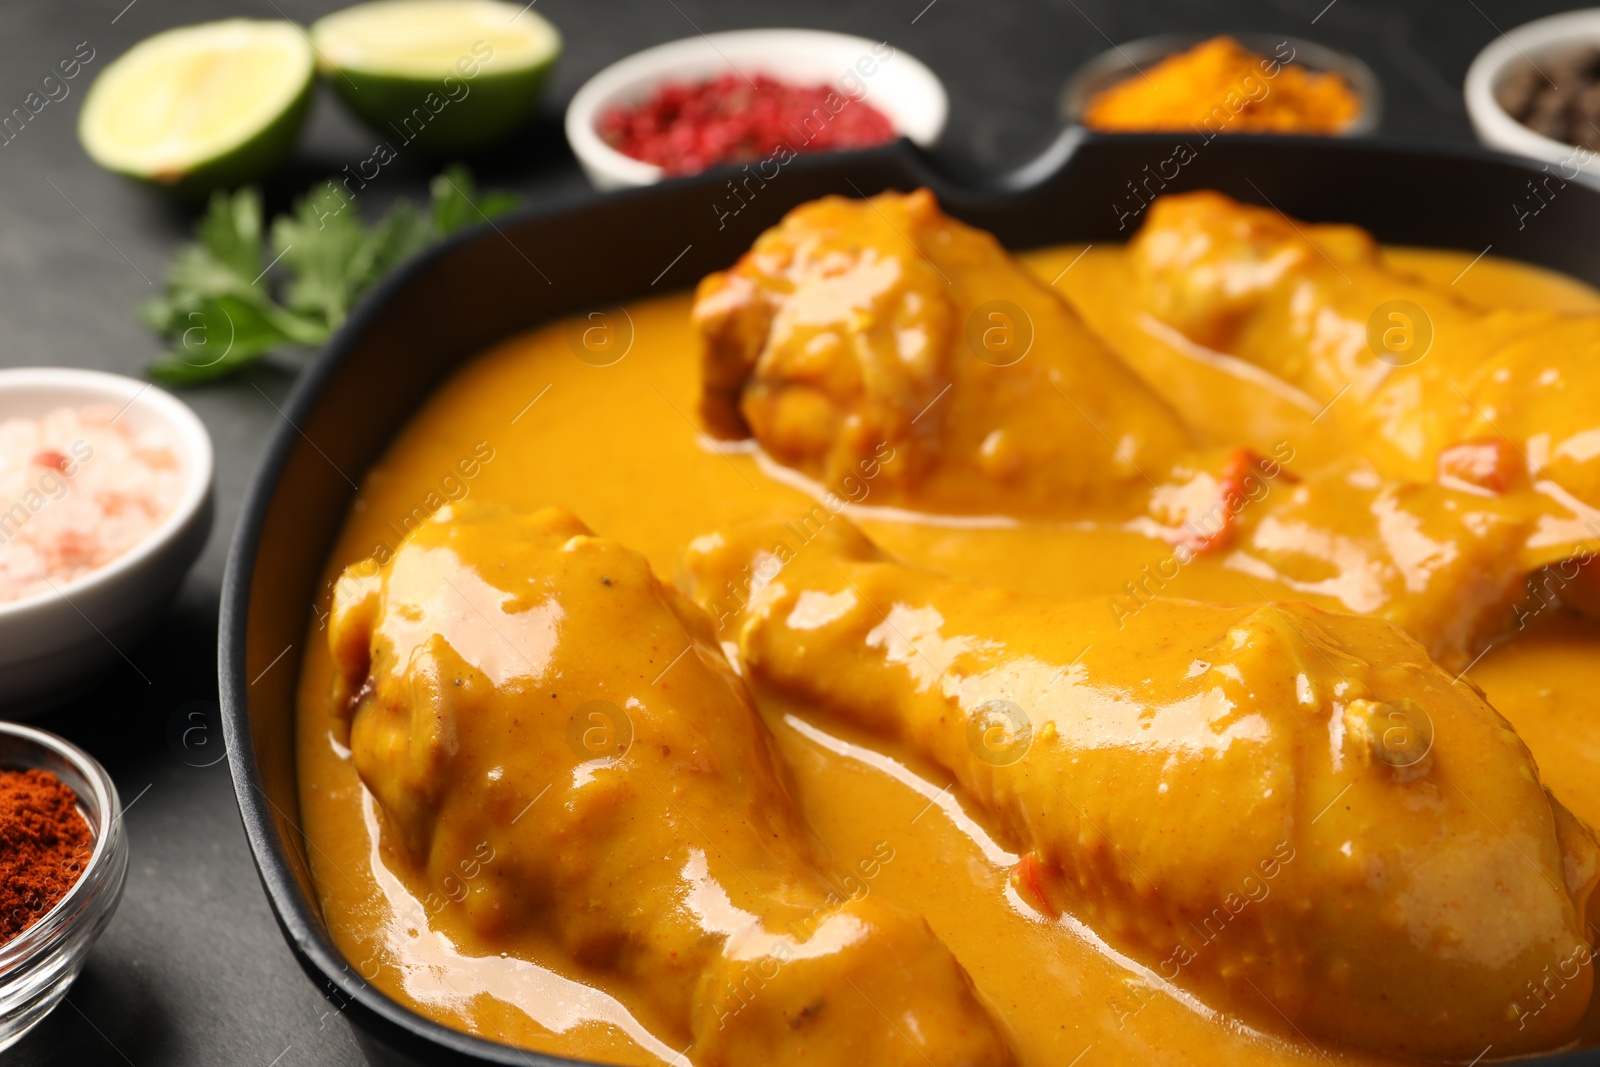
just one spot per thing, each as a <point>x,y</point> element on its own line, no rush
<point>1493,464</point>
<point>1234,491</point>
<point>1029,878</point>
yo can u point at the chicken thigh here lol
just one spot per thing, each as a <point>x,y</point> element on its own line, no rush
<point>519,688</point>
<point>1291,812</point>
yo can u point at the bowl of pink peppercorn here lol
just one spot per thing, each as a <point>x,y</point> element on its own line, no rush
<point>748,98</point>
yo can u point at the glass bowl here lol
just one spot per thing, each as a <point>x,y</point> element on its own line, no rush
<point>39,965</point>
<point>1125,60</point>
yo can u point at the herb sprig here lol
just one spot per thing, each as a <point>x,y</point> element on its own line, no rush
<point>218,312</point>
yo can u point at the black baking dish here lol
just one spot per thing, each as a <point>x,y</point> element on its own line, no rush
<point>493,282</point>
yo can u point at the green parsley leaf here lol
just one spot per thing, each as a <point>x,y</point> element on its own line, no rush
<point>221,335</point>
<point>231,231</point>
<point>217,311</point>
<point>321,243</point>
<point>456,205</point>
<point>395,238</point>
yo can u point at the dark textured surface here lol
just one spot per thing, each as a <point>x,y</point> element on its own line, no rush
<point>192,970</point>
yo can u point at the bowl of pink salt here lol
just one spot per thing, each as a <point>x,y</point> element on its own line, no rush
<point>105,502</point>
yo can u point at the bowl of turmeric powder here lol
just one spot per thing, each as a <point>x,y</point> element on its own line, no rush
<point>1250,83</point>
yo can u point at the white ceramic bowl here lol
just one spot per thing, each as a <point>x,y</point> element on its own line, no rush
<point>1536,41</point>
<point>54,642</point>
<point>907,92</point>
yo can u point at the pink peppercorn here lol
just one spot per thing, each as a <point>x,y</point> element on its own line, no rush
<point>684,129</point>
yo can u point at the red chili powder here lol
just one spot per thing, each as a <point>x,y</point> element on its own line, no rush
<point>44,844</point>
<point>687,128</point>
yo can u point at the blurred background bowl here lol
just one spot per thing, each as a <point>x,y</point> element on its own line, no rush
<point>1127,60</point>
<point>910,95</point>
<point>55,642</point>
<point>1532,42</point>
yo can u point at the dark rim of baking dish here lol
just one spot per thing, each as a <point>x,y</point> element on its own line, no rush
<point>401,1029</point>
<point>302,928</point>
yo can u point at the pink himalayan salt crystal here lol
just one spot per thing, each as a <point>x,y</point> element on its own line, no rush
<point>77,490</point>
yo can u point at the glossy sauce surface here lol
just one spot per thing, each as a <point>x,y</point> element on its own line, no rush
<point>530,425</point>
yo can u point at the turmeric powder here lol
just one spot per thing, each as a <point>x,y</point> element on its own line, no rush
<point>1219,86</point>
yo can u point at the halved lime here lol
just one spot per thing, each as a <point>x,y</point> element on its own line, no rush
<point>444,75</point>
<point>203,106</point>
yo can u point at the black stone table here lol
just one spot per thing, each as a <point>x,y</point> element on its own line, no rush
<point>193,970</point>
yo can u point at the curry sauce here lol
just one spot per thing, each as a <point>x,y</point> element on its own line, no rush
<point>529,424</point>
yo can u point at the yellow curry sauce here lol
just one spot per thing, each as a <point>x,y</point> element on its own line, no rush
<point>530,425</point>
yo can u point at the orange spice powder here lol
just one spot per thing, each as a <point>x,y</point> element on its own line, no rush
<point>44,845</point>
<point>1219,86</point>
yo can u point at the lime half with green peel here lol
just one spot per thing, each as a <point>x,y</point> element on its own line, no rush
<point>440,75</point>
<point>201,107</point>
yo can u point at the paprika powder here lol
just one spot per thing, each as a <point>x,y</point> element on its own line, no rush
<point>45,843</point>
